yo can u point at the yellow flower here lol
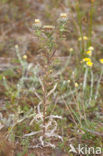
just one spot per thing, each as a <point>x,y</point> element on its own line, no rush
<point>89,52</point>
<point>89,63</point>
<point>85,37</point>
<point>91,48</point>
<point>71,49</point>
<point>25,57</point>
<point>76,84</point>
<point>86,59</point>
<point>101,60</point>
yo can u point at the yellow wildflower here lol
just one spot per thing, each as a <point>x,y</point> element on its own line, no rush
<point>89,63</point>
<point>85,37</point>
<point>3,77</point>
<point>71,49</point>
<point>76,84</point>
<point>101,60</point>
<point>89,52</point>
<point>86,59</point>
<point>25,57</point>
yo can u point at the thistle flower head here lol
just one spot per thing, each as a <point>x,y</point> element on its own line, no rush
<point>48,28</point>
<point>37,23</point>
<point>37,20</point>
<point>63,17</point>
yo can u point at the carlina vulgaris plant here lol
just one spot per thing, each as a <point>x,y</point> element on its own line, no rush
<point>47,39</point>
<point>49,124</point>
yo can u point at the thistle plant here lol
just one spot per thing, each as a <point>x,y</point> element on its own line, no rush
<point>46,36</point>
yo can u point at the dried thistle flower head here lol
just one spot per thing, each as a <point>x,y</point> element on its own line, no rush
<point>37,20</point>
<point>63,17</point>
<point>37,23</point>
<point>48,28</point>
